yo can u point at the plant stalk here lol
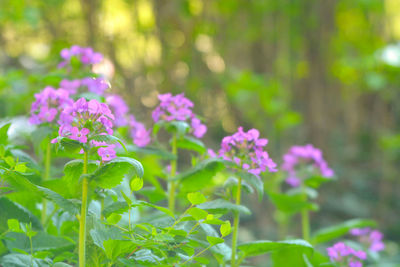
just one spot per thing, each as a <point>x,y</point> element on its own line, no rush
<point>172,184</point>
<point>82,218</point>
<point>236,224</point>
<point>305,220</point>
<point>47,164</point>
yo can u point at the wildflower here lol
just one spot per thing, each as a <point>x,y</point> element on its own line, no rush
<point>369,237</point>
<point>48,104</point>
<point>84,119</point>
<point>107,153</point>
<point>70,85</point>
<point>139,134</point>
<point>95,85</point>
<point>246,149</point>
<point>119,108</point>
<point>341,253</point>
<point>85,55</point>
<point>307,154</point>
<point>178,108</point>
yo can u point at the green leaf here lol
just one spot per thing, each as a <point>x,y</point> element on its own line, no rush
<point>114,248</point>
<point>191,143</point>
<point>40,242</point>
<point>13,225</point>
<point>4,133</point>
<point>21,167</point>
<point>197,213</point>
<point>214,240</point>
<point>317,181</point>
<point>65,204</point>
<point>201,175</point>
<point>116,207</point>
<point>61,264</point>
<point>114,218</point>
<point>291,203</point>
<point>254,181</point>
<point>69,145</point>
<point>10,161</point>
<point>126,198</point>
<point>136,184</point>
<point>102,233</point>
<point>178,127</point>
<point>111,173</point>
<point>295,254</point>
<point>162,209</point>
<point>222,206</point>
<point>21,260</point>
<point>20,181</point>
<point>336,231</point>
<point>225,229</point>
<point>196,198</point>
<point>260,247</point>
<point>12,210</point>
<point>163,154</point>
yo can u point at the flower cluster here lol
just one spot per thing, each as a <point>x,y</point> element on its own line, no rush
<point>85,55</point>
<point>307,154</point>
<point>119,108</point>
<point>84,119</point>
<point>178,108</point>
<point>138,132</point>
<point>372,238</point>
<point>48,104</point>
<point>246,149</point>
<point>341,253</point>
<point>94,85</point>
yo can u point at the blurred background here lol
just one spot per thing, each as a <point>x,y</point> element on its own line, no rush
<point>301,71</point>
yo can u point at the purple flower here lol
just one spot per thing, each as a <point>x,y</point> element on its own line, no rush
<point>341,253</point>
<point>48,104</point>
<point>246,149</point>
<point>299,155</point>
<point>119,108</point>
<point>95,85</point>
<point>369,237</point>
<point>80,135</point>
<point>70,85</point>
<point>107,153</point>
<point>199,129</point>
<point>84,119</point>
<point>139,134</point>
<point>178,108</point>
<point>85,55</point>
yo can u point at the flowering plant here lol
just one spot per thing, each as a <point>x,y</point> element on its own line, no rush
<point>105,208</point>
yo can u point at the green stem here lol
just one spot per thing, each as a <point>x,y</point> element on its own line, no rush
<point>305,220</point>
<point>30,242</point>
<point>236,224</point>
<point>101,208</point>
<point>46,176</point>
<point>172,184</point>
<point>82,218</point>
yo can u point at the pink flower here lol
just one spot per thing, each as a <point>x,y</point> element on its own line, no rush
<point>48,105</point>
<point>107,153</point>
<point>342,253</point>
<point>80,135</point>
<point>85,55</point>
<point>139,134</point>
<point>178,108</point>
<point>246,150</point>
<point>307,154</point>
<point>369,237</point>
